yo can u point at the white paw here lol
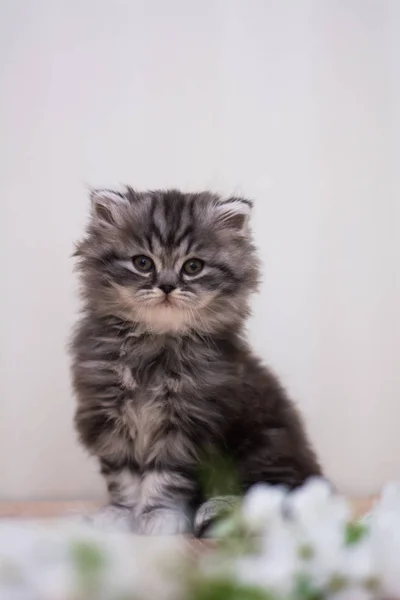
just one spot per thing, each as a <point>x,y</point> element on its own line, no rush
<point>111,518</point>
<point>163,521</point>
<point>210,511</point>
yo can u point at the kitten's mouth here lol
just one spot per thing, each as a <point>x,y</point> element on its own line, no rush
<point>166,303</point>
<point>169,301</point>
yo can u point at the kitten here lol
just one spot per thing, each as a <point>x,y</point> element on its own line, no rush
<point>162,373</point>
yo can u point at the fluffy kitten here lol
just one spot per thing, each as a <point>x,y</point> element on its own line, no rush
<point>163,376</point>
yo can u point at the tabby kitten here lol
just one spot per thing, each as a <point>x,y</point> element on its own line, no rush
<point>163,376</point>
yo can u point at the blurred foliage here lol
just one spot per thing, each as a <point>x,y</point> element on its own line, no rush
<point>89,562</point>
<point>218,476</point>
<point>304,589</point>
<point>220,589</point>
<point>355,531</point>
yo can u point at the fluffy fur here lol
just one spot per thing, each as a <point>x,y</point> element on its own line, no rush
<point>164,378</point>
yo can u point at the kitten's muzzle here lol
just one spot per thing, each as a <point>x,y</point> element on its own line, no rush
<point>167,288</point>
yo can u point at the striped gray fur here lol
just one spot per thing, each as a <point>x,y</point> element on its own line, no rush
<point>163,375</point>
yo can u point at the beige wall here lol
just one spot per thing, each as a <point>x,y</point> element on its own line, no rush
<point>294,103</point>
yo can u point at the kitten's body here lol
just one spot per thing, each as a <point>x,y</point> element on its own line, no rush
<point>162,386</point>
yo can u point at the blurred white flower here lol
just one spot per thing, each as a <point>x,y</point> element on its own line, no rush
<point>262,505</point>
<point>353,593</point>
<point>273,574</point>
<point>278,562</point>
<point>299,545</point>
<point>384,530</point>
<point>390,499</point>
<point>305,533</point>
<point>56,561</point>
<point>358,563</point>
<point>316,504</point>
<point>319,518</point>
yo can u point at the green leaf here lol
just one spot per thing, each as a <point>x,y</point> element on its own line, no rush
<point>355,532</point>
<point>89,562</point>
<point>304,589</point>
<point>220,589</point>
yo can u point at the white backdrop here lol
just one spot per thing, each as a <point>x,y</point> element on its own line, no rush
<point>295,103</point>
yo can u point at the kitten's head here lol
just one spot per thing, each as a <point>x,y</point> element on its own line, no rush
<point>170,261</point>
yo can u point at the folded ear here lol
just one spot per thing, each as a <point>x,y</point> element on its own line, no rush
<point>108,206</point>
<point>233,213</point>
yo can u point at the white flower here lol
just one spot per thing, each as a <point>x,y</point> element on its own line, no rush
<point>300,534</point>
<point>273,574</point>
<point>319,519</point>
<point>262,505</point>
<point>358,564</point>
<point>353,593</point>
<point>390,498</point>
<point>278,560</point>
<point>316,504</point>
<point>39,562</point>
<point>384,527</point>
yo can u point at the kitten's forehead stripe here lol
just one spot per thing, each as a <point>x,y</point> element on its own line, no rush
<point>171,219</point>
<point>190,244</point>
<point>175,209</point>
<point>183,235</point>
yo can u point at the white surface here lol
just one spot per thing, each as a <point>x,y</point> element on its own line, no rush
<point>294,103</point>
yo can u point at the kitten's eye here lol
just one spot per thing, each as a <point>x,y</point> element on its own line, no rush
<point>142,263</point>
<point>193,266</point>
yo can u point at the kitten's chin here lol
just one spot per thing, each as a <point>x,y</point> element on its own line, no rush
<point>165,319</point>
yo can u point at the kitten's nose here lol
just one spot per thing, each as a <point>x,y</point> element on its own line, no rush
<point>167,288</point>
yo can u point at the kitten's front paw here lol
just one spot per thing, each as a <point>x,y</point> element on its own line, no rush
<point>210,511</point>
<point>163,521</point>
<point>112,518</point>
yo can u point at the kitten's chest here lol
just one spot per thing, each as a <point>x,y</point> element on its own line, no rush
<point>150,371</point>
<point>155,389</point>
<point>153,417</point>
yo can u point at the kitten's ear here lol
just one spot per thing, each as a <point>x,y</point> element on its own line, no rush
<point>108,206</point>
<point>233,213</point>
